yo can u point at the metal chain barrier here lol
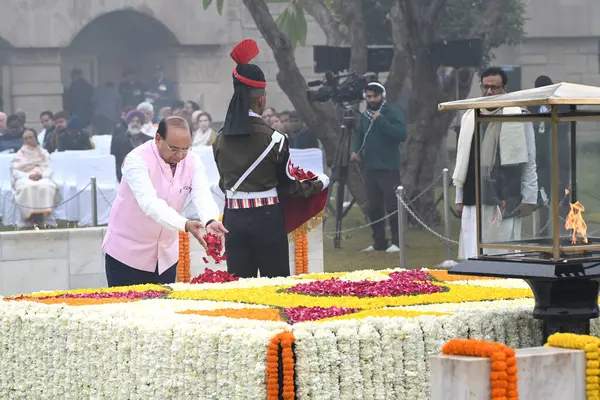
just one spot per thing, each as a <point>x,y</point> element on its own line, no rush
<point>431,185</point>
<point>413,214</point>
<point>45,208</point>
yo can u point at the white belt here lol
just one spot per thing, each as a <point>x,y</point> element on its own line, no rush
<point>251,195</point>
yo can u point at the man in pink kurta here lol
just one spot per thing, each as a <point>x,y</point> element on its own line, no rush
<point>142,241</point>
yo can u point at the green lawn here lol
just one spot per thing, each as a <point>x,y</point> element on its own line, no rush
<point>423,249</point>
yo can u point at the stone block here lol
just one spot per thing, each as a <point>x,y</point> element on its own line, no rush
<point>588,46</point>
<point>593,66</point>
<point>544,373</point>
<point>33,104</point>
<point>36,73</point>
<point>576,64</point>
<point>34,57</point>
<point>26,276</point>
<point>37,88</point>
<point>87,281</point>
<point>85,251</point>
<point>35,245</point>
<point>533,59</point>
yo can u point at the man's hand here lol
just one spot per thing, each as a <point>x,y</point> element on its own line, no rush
<point>459,208</point>
<point>216,228</point>
<point>524,210</point>
<point>376,115</point>
<point>354,157</point>
<point>196,228</point>
<point>36,176</point>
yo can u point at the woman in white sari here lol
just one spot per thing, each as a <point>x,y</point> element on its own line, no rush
<point>35,192</point>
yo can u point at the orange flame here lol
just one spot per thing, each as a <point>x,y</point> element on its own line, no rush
<point>576,222</point>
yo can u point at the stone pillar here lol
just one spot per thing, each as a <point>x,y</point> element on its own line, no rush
<point>544,373</point>
<point>36,81</point>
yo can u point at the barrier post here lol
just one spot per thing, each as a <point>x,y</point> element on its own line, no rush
<point>401,225</point>
<point>94,193</point>
<point>446,182</point>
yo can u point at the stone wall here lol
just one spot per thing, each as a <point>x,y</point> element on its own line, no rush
<point>73,259</point>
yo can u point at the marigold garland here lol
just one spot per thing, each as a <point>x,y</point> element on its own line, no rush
<point>301,251</point>
<point>590,345</point>
<point>283,340</point>
<point>260,314</point>
<point>503,376</point>
<point>183,264</point>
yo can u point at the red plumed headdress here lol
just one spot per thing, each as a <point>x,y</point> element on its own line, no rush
<point>244,52</point>
<point>245,73</point>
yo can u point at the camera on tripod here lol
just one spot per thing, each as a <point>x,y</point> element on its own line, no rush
<point>350,90</point>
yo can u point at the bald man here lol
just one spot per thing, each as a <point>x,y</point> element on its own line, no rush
<point>141,242</point>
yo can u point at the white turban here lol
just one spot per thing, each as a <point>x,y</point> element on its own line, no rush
<point>145,106</point>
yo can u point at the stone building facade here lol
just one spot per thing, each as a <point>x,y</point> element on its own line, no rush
<point>41,41</point>
<point>562,41</point>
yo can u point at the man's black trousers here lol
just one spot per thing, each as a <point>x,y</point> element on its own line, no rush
<point>119,274</point>
<point>257,240</point>
<point>381,188</point>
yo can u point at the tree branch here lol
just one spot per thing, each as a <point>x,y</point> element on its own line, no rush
<point>326,19</point>
<point>352,13</point>
<point>489,20</point>
<point>399,67</point>
<point>434,9</point>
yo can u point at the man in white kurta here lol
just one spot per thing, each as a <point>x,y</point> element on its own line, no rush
<point>506,146</point>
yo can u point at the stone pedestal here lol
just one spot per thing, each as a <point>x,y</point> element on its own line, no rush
<point>544,373</point>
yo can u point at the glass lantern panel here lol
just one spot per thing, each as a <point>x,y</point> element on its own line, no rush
<point>515,193</point>
<point>580,211</point>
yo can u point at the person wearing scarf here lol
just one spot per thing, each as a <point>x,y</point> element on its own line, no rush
<point>257,178</point>
<point>376,143</point>
<point>35,191</point>
<point>509,188</point>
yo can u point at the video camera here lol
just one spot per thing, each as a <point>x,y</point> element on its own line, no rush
<point>349,91</point>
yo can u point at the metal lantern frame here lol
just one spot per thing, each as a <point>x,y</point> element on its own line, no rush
<point>553,97</point>
<point>566,290</point>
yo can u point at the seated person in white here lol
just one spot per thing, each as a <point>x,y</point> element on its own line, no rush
<point>35,192</point>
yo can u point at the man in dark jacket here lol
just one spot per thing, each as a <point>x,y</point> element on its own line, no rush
<point>77,99</point>
<point>12,140</point>
<point>376,143</point>
<point>299,135</point>
<point>69,133</point>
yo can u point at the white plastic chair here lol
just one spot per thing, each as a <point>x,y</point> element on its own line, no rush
<point>102,143</point>
<point>103,168</point>
<point>64,165</point>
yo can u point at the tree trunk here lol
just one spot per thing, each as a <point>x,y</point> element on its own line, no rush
<point>320,118</point>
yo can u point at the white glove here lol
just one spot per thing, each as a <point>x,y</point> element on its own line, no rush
<point>324,179</point>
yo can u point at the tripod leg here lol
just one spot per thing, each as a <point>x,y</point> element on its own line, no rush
<point>339,214</point>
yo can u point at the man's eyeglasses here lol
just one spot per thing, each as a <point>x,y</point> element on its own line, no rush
<point>176,149</point>
<point>492,88</point>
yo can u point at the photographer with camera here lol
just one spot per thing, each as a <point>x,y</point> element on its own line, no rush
<point>376,145</point>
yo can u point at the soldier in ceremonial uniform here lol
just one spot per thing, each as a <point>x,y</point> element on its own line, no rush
<point>257,178</point>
